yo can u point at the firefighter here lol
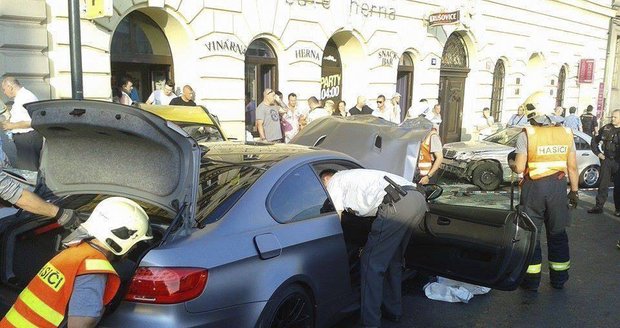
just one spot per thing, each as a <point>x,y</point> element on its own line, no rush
<point>76,284</point>
<point>431,157</point>
<point>609,134</point>
<point>545,154</point>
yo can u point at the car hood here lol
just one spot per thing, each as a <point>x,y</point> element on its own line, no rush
<point>374,142</point>
<point>103,147</point>
<point>477,146</point>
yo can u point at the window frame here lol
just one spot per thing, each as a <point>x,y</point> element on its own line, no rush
<point>497,90</point>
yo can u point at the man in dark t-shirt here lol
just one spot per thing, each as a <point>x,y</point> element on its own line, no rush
<point>185,99</point>
<point>360,107</point>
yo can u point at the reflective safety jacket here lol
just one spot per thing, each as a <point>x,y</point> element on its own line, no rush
<point>547,150</point>
<point>425,162</point>
<point>43,303</point>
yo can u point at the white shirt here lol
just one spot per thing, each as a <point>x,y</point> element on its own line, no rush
<point>318,112</point>
<point>387,114</point>
<point>361,190</point>
<point>436,119</point>
<point>18,112</point>
<point>158,97</point>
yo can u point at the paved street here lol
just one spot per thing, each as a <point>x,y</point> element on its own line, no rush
<point>591,298</point>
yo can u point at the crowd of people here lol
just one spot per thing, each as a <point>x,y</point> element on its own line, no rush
<point>586,123</point>
<point>126,93</point>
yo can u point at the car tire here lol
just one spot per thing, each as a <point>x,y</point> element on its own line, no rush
<point>590,177</point>
<point>487,176</point>
<point>288,307</point>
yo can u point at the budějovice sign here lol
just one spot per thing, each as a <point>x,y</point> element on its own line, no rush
<point>444,18</point>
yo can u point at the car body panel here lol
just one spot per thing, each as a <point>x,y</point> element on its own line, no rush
<point>137,154</point>
<point>461,158</point>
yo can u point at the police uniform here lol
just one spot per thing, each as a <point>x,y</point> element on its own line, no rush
<point>610,136</point>
<point>544,199</point>
<point>362,193</point>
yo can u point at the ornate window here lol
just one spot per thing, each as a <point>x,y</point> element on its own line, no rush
<point>559,99</point>
<point>454,53</point>
<point>404,82</point>
<point>497,95</point>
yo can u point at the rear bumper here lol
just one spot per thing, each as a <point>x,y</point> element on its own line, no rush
<point>175,315</point>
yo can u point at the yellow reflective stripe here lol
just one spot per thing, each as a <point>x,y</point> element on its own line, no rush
<point>40,308</point>
<point>559,266</point>
<point>98,265</point>
<point>548,164</point>
<point>534,268</point>
<point>18,320</point>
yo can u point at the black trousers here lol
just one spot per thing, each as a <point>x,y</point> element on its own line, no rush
<point>381,261</point>
<point>28,147</point>
<point>546,203</point>
<point>609,167</point>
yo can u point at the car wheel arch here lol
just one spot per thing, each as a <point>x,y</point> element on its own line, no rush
<point>300,281</point>
<point>493,164</point>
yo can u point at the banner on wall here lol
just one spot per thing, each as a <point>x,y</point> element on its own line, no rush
<point>586,71</point>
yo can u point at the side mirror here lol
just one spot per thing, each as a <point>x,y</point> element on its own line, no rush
<point>432,191</point>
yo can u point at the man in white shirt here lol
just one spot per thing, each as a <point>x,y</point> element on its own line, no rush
<point>362,193</point>
<point>486,124</point>
<point>162,96</point>
<point>316,111</point>
<point>421,109</point>
<point>28,142</point>
<point>383,111</point>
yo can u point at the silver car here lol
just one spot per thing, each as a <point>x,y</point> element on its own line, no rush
<point>244,234</point>
<point>484,163</point>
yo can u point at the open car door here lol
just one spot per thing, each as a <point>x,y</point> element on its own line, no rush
<point>484,246</point>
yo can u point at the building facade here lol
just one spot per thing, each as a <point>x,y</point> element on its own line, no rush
<point>466,54</point>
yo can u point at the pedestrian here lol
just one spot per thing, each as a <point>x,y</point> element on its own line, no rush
<point>435,116</point>
<point>28,142</point>
<point>545,154</point>
<point>609,135</point>
<point>186,98</point>
<point>268,118</point>
<point>135,93</point>
<point>486,124</point>
<point>383,111</point>
<point>395,102</point>
<point>162,96</point>
<point>341,110</point>
<point>75,286</point>
<point>316,111</point>
<point>363,192</point>
<point>421,109</point>
<point>360,107</point>
<point>250,113</point>
<point>518,119</point>
<point>292,116</point>
<point>431,157</point>
<point>572,121</point>
<point>126,86</point>
<point>589,122</point>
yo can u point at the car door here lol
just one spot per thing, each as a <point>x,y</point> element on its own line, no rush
<point>485,246</point>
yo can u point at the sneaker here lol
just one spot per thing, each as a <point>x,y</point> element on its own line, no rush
<point>595,210</point>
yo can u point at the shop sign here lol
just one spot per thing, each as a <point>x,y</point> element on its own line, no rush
<point>372,9</point>
<point>330,86</point>
<point>387,57</point>
<point>97,8</point>
<point>438,19</point>
<point>307,54</point>
<point>586,71</point>
<point>310,3</point>
<point>600,103</point>
<point>226,46</point>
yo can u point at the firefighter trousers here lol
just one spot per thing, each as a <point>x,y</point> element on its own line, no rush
<point>546,203</point>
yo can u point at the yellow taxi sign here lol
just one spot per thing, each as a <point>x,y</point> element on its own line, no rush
<point>98,8</point>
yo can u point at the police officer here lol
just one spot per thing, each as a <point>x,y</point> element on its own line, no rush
<point>589,122</point>
<point>76,284</point>
<point>366,193</point>
<point>609,134</point>
<point>545,153</point>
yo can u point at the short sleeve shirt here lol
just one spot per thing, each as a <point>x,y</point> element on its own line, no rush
<point>18,111</point>
<point>271,121</point>
<point>87,297</point>
<point>435,143</point>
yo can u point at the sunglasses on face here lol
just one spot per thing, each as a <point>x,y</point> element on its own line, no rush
<point>379,102</point>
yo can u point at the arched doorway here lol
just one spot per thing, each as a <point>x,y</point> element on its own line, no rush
<point>140,50</point>
<point>331,74</point>
<point>454,69</point>
<point>404,83</point>
<point>261,72</point>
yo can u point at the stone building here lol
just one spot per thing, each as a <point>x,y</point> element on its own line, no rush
<point>466,54</point>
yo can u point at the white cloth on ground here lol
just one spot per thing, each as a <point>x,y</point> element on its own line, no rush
<point>453,291</point>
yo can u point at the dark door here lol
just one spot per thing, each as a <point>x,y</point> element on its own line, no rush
<point>404,86</point>
<point>451,95</point>
<point>483,246</point>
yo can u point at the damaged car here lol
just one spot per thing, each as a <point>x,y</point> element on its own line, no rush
<point>243,232</point>
<point>484,163</point>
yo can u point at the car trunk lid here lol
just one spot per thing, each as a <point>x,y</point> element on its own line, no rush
<point>102,147</point>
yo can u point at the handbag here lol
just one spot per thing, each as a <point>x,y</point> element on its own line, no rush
<point>285,124</point>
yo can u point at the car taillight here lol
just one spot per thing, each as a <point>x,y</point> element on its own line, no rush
<point>166,285</point>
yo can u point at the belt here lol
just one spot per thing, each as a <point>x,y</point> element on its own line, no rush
<point>388,200</point>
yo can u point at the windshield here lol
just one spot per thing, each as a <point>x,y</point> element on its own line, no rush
<point>201,132</point>
<point>507,137</point>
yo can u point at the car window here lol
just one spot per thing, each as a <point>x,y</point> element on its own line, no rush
<point>507,137</point>
<point>202,132</point>
<point>581,144</point>
<point>299,196</point>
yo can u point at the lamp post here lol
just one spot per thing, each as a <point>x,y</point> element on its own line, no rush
<point>75,49</point>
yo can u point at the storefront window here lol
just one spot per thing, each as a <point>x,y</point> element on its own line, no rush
<point>261,72</point>
<point>404,83</point>
<point>497,95</point>
<point>559,100</point>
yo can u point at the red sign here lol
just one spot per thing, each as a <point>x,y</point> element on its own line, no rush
<point>586,70</point>
<point>600,103</point>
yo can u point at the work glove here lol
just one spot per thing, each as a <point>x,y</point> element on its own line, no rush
<point>67,218</point>
<point>573,199</point>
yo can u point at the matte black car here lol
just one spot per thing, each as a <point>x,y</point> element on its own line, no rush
<point>244,233</point>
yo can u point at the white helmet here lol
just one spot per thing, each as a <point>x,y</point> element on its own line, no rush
<point>118,223</point>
